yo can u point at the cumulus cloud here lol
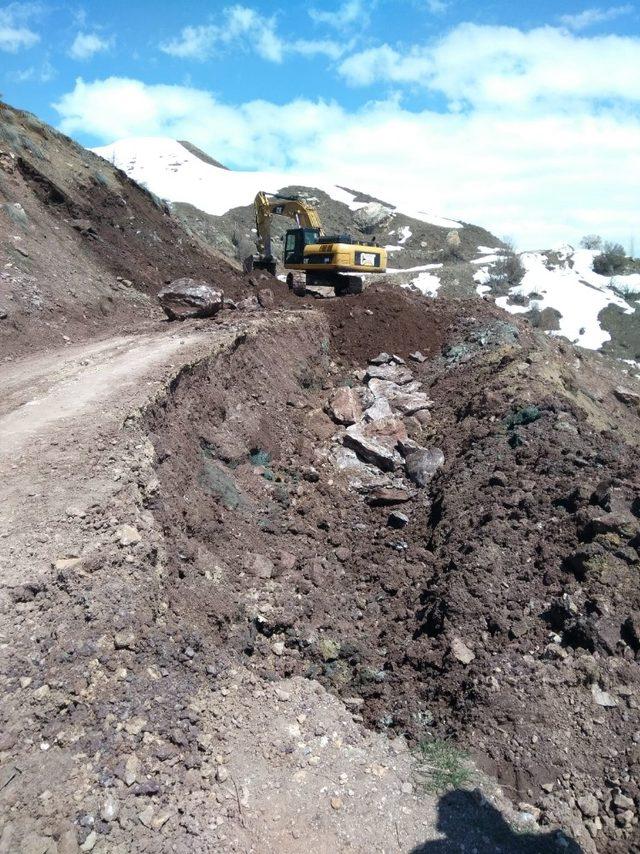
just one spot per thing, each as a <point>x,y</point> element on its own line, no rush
<point>541,178</point>
<point>15,26</point>
<point>502,66</point>
<point>241,24</point>
<point>86,45</point>
<point>593,16</point>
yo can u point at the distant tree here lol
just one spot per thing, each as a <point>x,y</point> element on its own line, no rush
<point>591,241</point>
<point>611,260</point>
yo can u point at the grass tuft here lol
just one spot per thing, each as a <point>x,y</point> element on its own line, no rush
<point>440,766</point>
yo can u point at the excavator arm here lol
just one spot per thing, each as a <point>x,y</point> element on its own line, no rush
<point>267,206</point>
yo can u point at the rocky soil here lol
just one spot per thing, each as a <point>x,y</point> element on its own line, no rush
<point>254,567</point>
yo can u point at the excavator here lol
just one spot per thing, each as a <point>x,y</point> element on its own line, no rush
<point>311,256</point>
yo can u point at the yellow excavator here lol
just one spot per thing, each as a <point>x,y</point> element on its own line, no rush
<point>311,256</point>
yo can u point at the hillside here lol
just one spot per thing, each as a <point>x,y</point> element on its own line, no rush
<point>83,248</point>
<point>560,292</point>
<point>351,574</point>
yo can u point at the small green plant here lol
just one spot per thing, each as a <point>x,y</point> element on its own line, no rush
<point>441,766</point>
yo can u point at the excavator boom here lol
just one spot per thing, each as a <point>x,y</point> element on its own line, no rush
<point>268,206</point>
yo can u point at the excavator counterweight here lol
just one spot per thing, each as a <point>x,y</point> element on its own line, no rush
<point>310,256</point>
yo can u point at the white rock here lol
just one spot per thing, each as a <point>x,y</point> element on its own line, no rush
<point>461,651</point>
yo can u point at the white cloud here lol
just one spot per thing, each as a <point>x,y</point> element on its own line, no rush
<point>241,24</point>
<point>503,66</point>
<point>86,45</point>
<point>384,63</point>
<point>15,32</point>
<point>542,178</point>
<point>321,47</point>
<point>349,14</point>
<point>593,16</point>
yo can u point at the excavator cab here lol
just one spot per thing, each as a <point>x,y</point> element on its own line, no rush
<point>294,242</point>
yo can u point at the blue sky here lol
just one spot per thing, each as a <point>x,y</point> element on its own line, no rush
<point>522,116</point>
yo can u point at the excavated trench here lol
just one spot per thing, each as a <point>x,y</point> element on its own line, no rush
<point>468,623</point>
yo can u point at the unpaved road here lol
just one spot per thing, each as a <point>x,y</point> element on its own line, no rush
<point>56,409</point>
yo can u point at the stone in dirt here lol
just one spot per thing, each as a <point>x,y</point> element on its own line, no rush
<point>626,395</point>
<point>258,565</point>
<point>603,698</point>
<point>421,464</point>
<point>266,298</point>
<point>379,409</point>
<point>128,535</point>
<point>409,404</point>
<point>461,651</point>
<point>382,496</point>
<point>190,298</point>
<point>66,563</point>
<point>417,357</point>
<point>376,442</point>
<point>391,373</point>
<point>124,640</point>
<point>249,304</point>
<point>589,806</point>
<point>397,519</point>
<point>381,359</point>
<point>344,406</point>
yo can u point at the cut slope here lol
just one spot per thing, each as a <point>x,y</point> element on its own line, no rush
<point>82,245</point>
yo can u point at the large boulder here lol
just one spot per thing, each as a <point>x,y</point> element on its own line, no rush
<point>376,441</point>
<point>190,298</point>
<point>344,406</point>
<point>372,216</point>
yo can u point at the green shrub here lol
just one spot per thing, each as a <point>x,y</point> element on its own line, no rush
<point>611,260</point>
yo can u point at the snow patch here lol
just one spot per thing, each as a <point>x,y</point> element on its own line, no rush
<point>394,270</point>
<point>173,173</point>
<point>426,283</point>
<point>576,292</point>
<point>404,233</point>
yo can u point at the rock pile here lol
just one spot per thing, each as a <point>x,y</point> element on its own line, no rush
<point>376,451</point>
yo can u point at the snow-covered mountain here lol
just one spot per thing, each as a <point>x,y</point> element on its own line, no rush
<point>557,289</point>
<point>174,172</point>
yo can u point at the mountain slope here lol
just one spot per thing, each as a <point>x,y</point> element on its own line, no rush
<point>82,246</point>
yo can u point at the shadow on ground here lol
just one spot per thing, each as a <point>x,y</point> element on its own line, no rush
<point>471,824</point>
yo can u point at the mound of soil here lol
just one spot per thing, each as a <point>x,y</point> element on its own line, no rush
<point>505,614</point>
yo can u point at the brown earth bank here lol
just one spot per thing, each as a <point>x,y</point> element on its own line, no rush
<point>505,614</point>
<point>127,725</point>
